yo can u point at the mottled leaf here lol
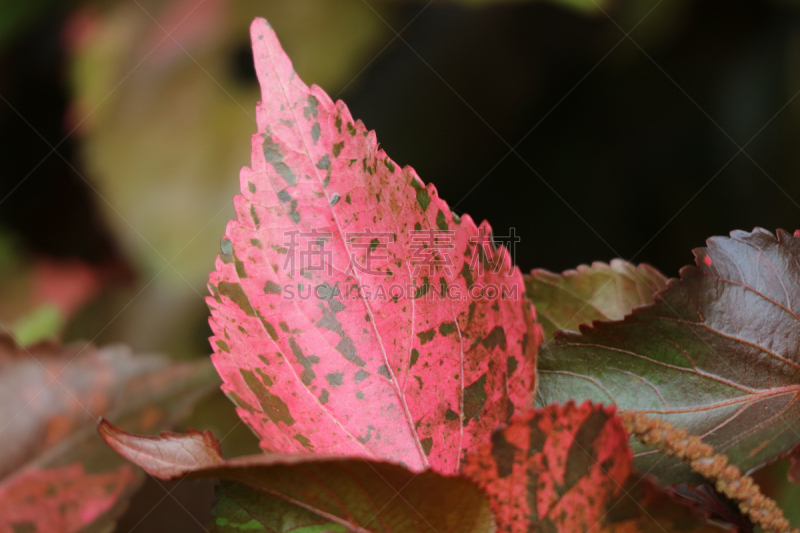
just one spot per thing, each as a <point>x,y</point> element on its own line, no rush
<point>588,293</point>
<point>717,353</point>
<point>288,492</point>
<point>568,468</point>
<point>56,474</point>
<point>339,341</point>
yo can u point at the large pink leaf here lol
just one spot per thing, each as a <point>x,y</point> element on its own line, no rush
<point>316,364</point>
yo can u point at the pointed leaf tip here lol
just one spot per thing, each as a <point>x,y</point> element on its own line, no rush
<point>168,456</point>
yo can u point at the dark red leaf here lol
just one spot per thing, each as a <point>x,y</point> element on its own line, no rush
<point>718,353</point>
<point>325,492</point>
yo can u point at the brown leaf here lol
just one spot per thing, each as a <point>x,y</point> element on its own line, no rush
<point>329,492</point>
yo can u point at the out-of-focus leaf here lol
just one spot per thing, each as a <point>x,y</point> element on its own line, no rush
<point>288,492</point>
<point>568,468</point>
<point>424,362</point>
<point>794,469</point>
<point>588,293</point>
<point>38,296</point>
<point>56,474</point>
<point>65,284</point>
<point>165,116</point>
<point>718,353</point>
<point>165,125</point>
<point>58,289</point>
<point>41,324</point>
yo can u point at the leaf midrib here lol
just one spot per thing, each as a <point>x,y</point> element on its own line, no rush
<point>389,366</point>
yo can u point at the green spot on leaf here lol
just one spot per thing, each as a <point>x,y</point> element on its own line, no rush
<point>427,445</point>
<point>335,379</point>
<point>426,336</point>
<point>474,399</point>
<point>324,163</point>
<point>441,223</point>
<point>274,157</point>
<point>446,328</point>
<point>270,287</point>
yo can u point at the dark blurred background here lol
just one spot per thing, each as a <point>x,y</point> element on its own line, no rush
<point>629,128</point>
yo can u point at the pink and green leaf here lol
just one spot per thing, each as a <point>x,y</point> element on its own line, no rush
<point>396,375</point>
<point>568,468</point>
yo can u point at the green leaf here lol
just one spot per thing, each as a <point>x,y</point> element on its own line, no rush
<point>588,293</point>
<point>241,508</point>
<point>42,323</point>
<point>718,353</point>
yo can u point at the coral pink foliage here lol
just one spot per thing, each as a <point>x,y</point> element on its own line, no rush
<point>334,339</point>
<point>65,499</point>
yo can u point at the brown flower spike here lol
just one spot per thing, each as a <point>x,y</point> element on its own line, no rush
<point>729,480</point>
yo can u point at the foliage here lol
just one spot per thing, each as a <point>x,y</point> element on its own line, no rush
<point>359,366</point>
<point>55,472</point>
<point>404,382</point>
<point>716,353</point>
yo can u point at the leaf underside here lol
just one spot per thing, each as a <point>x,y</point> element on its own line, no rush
<point>718,353</point>
<point>56,474</point>
<point>597,292</point>
<point>406,376</point>
<point>568,468</point>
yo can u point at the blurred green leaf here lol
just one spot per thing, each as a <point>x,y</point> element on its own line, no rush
<point>44,322</point>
